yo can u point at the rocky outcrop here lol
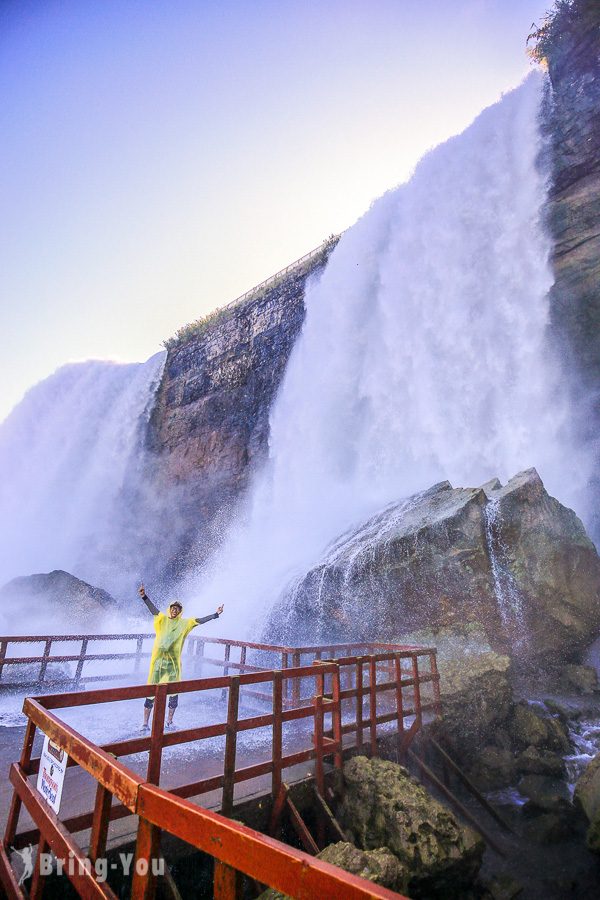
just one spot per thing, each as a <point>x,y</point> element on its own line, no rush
<point>45,595</point>
<point>511,559</point>
<point>477,700</point>
<point>378,866</point>
<point>209,427</point>
<point>573,123</point>
<point>587,797</point>
<point>384,807</point>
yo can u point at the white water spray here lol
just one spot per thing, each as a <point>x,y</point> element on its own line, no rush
<point>423,357</point>
<point>67,451</point>
<point>510,600</point>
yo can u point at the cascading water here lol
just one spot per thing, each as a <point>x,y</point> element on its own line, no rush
<point>70,448</point>
<point>423,357</point>
<point>510,601</point>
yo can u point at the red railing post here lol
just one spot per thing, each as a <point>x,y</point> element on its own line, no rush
<point>359,702</point>
<point>37,882</point>
<point>277,732</point>
<point>138,655</point>
<point>436,683</point>
<point>373,705</point>
<point>80,662</point>
<point>3,646</point>
<point>44,663</point>
<point>156,735</point>
<point>416,689</point>
<point>230,746</point>
<point>100,822</point>
<point>15,804</point>
<point>336,718</point>
<point>399,698</point>
<point>227,883</point>
<point>296,681</point>
<point>147,848</point>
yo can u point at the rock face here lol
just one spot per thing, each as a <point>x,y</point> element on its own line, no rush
<point>510,558</point>
<point>378,866</point>
<point>573,119</point>
<point>209,428</point>
<point>56,592</point>
<point>477,700</point>
<point>384,807</point>
<point>587,797</point>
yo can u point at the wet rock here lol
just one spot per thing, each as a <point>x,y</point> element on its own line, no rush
<point>545,793</point>
<point>379,866</point>
<point>494,768</point>
<point>530,729</point>
<point>587,798</point>
<point>383,806</point>
<point>503,887</point>
<point>582,679</point>
<point>549,828</point>
<point>476,701</point>
<point>563,709</point>
<point>534,761</point>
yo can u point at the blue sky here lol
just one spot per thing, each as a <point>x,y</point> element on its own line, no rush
<point>160,157</point>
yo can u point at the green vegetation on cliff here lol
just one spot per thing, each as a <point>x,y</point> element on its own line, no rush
<point>300,267</point>
<point>569,23</point>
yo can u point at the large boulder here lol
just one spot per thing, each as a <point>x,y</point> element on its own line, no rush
<point>384,807</point>
<point>56,595</point>
<point>512,559</point>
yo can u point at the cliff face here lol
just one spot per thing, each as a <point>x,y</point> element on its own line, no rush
<point>210,424</point>
<point>574,214</point>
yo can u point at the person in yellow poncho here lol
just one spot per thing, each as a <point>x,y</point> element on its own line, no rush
<point>165,664</point>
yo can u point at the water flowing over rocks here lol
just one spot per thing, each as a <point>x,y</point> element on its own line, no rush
<point>511,559</point>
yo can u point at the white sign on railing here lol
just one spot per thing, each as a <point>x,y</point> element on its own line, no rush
<point>53,765</point>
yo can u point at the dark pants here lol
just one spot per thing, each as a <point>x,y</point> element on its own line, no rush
<point>173,701</point>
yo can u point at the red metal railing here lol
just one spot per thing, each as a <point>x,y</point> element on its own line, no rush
<point>389,683</point>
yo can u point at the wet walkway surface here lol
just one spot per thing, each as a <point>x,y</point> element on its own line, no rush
<point>181,764</point>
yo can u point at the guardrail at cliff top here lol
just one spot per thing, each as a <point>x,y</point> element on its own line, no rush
<point>200,323</point>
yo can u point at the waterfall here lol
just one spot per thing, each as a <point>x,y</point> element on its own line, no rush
<point>69,453</point>
<point>510,601</point>
<point>423,357</point>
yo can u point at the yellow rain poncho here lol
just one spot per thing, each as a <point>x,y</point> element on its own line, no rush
<point>165,663</point>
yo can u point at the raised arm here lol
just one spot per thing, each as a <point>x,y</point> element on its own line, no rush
<point>215,615</point>
<point>152,608</point>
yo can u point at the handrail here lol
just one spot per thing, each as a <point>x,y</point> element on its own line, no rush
<point>235,847</point>
<point>263,284</point>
